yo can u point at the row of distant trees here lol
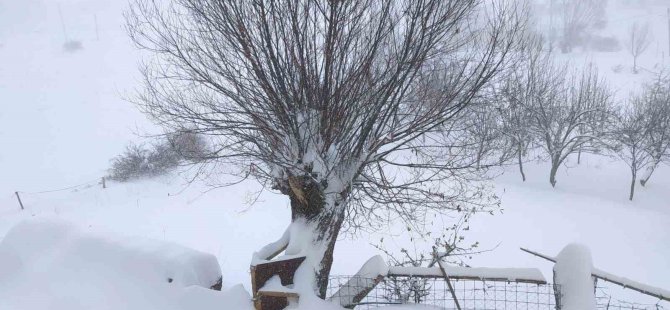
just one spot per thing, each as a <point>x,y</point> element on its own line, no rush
<point>543,105</point>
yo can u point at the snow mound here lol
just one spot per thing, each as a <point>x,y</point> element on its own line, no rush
<point>49,264</point>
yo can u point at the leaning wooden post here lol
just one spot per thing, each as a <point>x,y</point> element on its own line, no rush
<point>446,278</point>
<point>573,279</point>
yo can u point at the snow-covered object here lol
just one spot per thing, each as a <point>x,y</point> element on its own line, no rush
<point>456,272</point>
<point>573,273</point>
<point>365,278</point>
<point>61,245</point>
<point>49,264</point>
<point>272,249</point>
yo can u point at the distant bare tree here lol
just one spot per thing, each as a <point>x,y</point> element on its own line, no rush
<point>569,114</point>
<point>579,17</point>
<point>343,106</point>
<point>639,39</point>
<point>519,92</point>
<point>630,138</point>
<point>484,128</point>
<point>656,101</point>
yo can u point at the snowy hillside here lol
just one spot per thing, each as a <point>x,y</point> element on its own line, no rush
<point>63,116</point>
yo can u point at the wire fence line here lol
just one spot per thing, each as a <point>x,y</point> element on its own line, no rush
<point>606,301</point>
<point>86,184</point>
<point>18,195</point>
<point>471,294</point>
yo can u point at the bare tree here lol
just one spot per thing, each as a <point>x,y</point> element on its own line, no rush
<point>579,17</point>
<point>485,129</point>
<point>639,39</point>
<point>630,137</point>
<point>563,107</point>
<point>656,101</point>
<point>519,92</point>
<point>334,104</point>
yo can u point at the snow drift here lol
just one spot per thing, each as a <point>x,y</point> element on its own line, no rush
<point>49,264</point>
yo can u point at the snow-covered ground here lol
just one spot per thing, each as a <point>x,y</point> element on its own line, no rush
<point>63,116</point>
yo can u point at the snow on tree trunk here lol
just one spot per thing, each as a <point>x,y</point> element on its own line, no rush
<point>316,219</point>
<point>573,276</point>
<point>316,241</point>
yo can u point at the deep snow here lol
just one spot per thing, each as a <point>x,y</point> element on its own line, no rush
<point>62,116</point>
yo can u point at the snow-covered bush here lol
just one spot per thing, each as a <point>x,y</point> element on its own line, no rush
<point>188,145</point>
<point>132,164</point>
<point>159,158</point>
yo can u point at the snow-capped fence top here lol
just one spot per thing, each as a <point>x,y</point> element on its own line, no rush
<point>358,286</point>
<point>523,275</point>
<point>70,252</point>
<point>625,282</point>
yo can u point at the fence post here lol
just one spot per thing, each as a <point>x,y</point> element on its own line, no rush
<point>573,279</point>
<point>19,199</point>
<point>103,183</point>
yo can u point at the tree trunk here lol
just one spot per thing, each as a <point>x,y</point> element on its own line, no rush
<point>523,175</point>
<point>552,173</point>
<point>649,172</point>
<point>579,156</point>
<point>632,186</point>
<point>317,220</point>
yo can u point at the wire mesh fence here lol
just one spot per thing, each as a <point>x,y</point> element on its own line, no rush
<point>471,294</point>
<point>605,300</point>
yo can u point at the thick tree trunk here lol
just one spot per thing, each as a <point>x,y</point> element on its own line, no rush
<point>318,220</point>
<point>552,173</point>
<point>523,175</point>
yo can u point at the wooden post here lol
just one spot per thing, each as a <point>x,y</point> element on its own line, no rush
<point>446,278</point>
<point>19,199</point>
<point>103,183</point>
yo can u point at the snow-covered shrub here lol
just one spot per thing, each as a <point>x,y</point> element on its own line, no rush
<point>159,158</point>
<point>132,164</point>
<point>188,145</point>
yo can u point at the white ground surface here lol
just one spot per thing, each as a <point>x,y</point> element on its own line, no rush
<point>62,116</point>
